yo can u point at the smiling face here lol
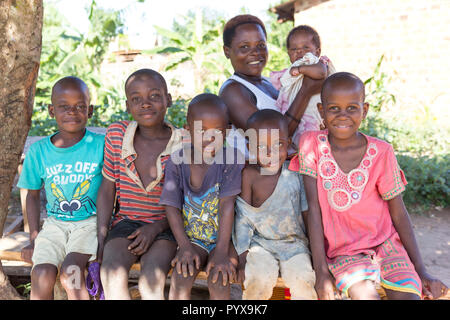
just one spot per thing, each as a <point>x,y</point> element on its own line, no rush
<point>248,50</point>
<point>299,44</point>
<point>207,124</point>
<point>70,106</point>
<point>343,109</point>
<point>272,146</point>
<point>147,100</point>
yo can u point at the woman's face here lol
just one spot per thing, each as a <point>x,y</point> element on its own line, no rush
<point>248,51</point>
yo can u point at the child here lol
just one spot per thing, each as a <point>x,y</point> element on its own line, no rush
<point>359,228</point>
<point>199,194</point>
<point>135,156</point>
<point>69,164</point>
<point>269,233</point>
<point>303,44</point>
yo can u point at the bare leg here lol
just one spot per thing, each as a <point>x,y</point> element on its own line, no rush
<point>43,278</point>
<point>363,290</point>
<point>398,295</point>
<point>180,287</point>
<point>72,275</point>
<point>155,264</point>
<point>116,264</point>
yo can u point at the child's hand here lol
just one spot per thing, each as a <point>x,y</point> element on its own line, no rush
<point>432,288</point>
<point>184,261</point>
<point>221,263</point>
<point>325,286</point>
<point>27,253</point>
<point>241,274</point>
<point>143,238</point>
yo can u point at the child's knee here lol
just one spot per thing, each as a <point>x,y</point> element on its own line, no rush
<point>45,272</point>
<point>363,290</point>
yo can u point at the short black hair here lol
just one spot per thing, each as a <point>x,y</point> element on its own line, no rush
<point>343,79</point>
<point>229,31</point>
<point>207,100</point>
<point>305,29</point>
<point>148,73</point>
<point>70,81</point>
<point>267,116</point>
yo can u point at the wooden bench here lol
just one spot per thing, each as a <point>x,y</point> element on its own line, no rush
<point>280,291</point>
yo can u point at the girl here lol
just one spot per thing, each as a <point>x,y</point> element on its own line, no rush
<point>359,228</point>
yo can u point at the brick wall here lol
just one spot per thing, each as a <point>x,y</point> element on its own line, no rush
<point>414,36</point>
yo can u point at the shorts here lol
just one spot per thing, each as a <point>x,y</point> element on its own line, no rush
<point>204,245</point>
<point>126,227</point>
<point>261,274</point>
<point>59,238</point>
<point>388,264</point>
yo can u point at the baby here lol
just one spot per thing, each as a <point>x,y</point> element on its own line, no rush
<point>303,44</point>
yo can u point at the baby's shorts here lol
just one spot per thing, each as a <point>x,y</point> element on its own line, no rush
<point>388,264</point>
<point>59,238</point>
<point>126,227</point>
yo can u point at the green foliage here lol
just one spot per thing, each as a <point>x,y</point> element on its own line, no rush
<point>276,43</point>
<point>68,52</point>
<point>421,146</point>
<point>376,89</point>
<point>176,114</point>
<point>197,40</point>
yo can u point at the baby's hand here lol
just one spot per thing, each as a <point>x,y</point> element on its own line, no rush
<point>184,261</point>
<point>325,60</point>
<point>433,288</point>
<point>294,71</point>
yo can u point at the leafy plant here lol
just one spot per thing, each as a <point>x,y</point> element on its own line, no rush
<point>197,41</point>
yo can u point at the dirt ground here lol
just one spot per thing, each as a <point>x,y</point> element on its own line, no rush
<point>432,231</point>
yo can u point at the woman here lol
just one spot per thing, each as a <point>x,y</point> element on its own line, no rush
<point>246,91</point>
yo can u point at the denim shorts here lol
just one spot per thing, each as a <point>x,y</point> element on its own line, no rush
<point>206,246</point>
<point>126,227</point>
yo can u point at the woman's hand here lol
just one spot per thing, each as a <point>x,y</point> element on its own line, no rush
<point>310,86</point>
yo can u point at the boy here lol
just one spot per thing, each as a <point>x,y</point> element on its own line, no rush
<point>135,156</point>
<point>69,164</point>
<point>199,194</point>
<point>269,232</point>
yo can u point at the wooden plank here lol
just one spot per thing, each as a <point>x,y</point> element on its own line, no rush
<point>11,255</point>
<point>13,227</point>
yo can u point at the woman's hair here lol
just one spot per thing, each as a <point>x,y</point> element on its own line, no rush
<point>305,29</point>
<point>229,30</point>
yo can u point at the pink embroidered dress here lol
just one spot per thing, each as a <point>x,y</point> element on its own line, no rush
<point>360,239</point>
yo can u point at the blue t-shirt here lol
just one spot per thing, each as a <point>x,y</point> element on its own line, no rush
<point>71,176</point>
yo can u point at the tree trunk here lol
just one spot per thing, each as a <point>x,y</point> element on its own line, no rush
<point>20,51</point>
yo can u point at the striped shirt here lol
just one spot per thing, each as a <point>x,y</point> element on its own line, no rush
<point>135,201</point>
